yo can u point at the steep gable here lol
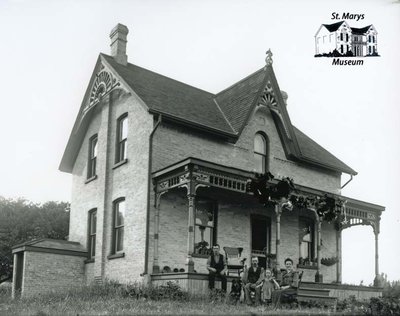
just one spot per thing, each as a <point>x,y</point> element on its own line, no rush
<point>224,114</point>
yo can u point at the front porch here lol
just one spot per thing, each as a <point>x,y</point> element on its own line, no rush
<point>198,203</point>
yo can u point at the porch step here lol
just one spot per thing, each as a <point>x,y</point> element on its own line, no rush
<point>313,291</point>
<point>326,300</point>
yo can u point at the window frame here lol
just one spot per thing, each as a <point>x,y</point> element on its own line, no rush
<point>121,143</point>
<point>265,155</point>
<point>91,236</point>
<point>214,228</point>
<point>116,229</point>
<point>310,222</point>
<point>92,158</point>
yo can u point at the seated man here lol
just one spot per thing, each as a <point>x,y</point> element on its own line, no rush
<point>268,287</point>
<point>253,280</point>
<point>216,265</point>
<point>289,285</point>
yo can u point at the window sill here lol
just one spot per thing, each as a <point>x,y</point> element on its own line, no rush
<point>91,179</point>
<point>302,266</point>
<point>116,255</point>
<point>91,260</point>
<point>122,162</point>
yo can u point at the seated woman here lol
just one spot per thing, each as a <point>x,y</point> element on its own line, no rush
<point>289,284</point>
<point>269,286</point>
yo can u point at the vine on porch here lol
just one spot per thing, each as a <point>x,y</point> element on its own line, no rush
<point>328,207</point>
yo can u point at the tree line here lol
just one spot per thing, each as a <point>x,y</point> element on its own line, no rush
<point>22,220</point>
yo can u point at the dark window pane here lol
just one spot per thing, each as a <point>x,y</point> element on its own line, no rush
<point>119,239</point>
<point>93,219</point>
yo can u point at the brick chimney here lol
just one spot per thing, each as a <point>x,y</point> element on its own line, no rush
<point>118,38</point>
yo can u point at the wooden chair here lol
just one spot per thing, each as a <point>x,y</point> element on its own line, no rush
<point>234,259</point>
<point>293,297</point>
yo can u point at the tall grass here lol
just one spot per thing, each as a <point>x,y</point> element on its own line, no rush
<point>135,299</point>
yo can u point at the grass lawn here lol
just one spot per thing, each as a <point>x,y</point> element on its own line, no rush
<point>91,301</point>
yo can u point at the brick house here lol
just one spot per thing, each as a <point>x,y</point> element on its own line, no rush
<point>159,174</point>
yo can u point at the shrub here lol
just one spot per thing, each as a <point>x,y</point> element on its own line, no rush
<point>170,291</point>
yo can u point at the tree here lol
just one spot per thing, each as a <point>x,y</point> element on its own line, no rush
<point>22,220</point>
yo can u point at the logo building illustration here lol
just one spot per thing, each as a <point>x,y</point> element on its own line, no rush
<point>341,40</point>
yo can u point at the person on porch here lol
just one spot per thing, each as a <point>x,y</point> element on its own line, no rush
<point>270,285</point>
<point>216,265</point>
<point>289,285</point>
<point>253,281</point>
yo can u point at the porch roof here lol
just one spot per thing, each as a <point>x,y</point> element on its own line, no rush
<point>174,174</point>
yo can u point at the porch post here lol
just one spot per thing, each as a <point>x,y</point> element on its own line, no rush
<point>156,266</point>
<point>278,212</point>
<point>318,275</point>
<point>339,255</point>
<point>190,242</point>
<point>377,280</point>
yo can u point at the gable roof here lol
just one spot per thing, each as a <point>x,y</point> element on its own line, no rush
<point>333,27</point>
<point>313,152</point>
<point>360,31</point>
<point>171,97</point>
<point>223,114</point>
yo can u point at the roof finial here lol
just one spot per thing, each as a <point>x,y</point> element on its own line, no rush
<point>268,59</point>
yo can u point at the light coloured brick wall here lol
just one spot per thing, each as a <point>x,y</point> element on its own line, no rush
<point>328,250</point>
<point>128,180</point>
<point>177,143</point>
<point>45,272</point>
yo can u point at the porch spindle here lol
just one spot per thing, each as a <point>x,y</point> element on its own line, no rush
<point>190,244</point>
<point>278,212</point>
<point>339,255</point>
<point>318,275</point>
<point>377,277</point>
<point>156,266</point>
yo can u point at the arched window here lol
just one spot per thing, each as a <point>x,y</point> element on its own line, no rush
<point>260,153</point>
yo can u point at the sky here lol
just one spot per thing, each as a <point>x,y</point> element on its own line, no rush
<point>49,49</point>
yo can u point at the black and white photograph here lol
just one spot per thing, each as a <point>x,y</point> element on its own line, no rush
<point>172,157</point>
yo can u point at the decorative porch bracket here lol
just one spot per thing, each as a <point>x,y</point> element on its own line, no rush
<point>354,216</point>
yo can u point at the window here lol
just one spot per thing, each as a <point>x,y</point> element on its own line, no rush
<point>122,135</point>
<point>306,235</point>
<point>92,157</point>
<point>347,37</point>
<point>118,225</point>
<point>341,36</point>
<point>205,226</point>
<point>341,49</point>
<point>369,49</point>
<point>92,219</point>
<point>373,39</point>
<point>369,38</point>
<point>260,153</point>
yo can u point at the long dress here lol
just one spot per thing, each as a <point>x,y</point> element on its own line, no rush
<point>288,278</point>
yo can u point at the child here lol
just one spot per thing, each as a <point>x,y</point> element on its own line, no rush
<point>269,285</point>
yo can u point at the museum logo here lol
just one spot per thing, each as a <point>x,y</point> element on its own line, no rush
<point>345,44</point>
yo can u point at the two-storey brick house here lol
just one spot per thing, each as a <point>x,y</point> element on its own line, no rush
<point>159,175</point>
